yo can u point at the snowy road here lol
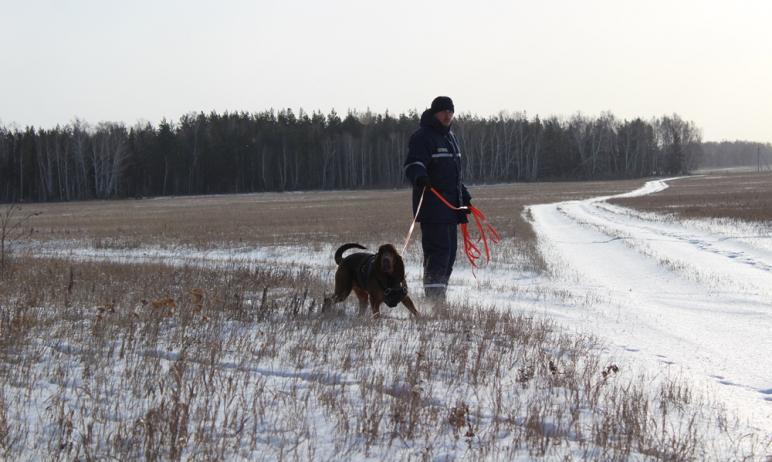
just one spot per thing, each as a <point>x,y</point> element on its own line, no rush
<point>690,295</point>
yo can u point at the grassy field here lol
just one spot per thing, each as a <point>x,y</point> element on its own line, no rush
<point>288,219</point>
<point>283,218</point>
<point>184,361</point>
<point>733,196</point>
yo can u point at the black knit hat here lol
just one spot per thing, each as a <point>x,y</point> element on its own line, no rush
<point>442,103</point>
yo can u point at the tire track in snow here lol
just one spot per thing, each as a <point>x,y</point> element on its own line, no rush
<point>722,245</point>
<point>686,296</point>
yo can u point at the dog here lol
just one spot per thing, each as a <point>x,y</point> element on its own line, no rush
<point>376,278</point>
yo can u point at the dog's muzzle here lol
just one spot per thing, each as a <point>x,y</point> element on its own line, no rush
<point>393,295</point>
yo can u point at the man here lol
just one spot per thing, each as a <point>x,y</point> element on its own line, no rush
<point>434,161</point>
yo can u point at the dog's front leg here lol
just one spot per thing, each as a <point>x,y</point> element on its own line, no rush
<point>375,305</point>
<point>362,297</point>
<point>362,307</point>
<point>408,302</point>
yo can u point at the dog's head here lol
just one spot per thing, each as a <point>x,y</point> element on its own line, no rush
<point>389,263</point>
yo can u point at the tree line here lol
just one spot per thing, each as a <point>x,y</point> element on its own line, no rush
<point>282,150</point>
<point>736,154</point>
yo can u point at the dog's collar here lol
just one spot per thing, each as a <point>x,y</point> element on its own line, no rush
<point>370,265</point>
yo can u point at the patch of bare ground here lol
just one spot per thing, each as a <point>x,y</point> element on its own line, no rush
<point>739,196</point>
<point>109,361</point>
<point>293,218</point>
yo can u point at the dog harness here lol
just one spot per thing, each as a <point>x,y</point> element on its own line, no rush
<point>364,271</point>
<point>391,295</point>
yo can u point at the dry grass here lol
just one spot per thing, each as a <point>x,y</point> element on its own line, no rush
<point>123,361</point>
<point>130,361</point>
<point>740,196</point>
<point>248,220</point>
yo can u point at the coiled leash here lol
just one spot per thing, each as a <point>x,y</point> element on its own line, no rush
<point>472,252</point>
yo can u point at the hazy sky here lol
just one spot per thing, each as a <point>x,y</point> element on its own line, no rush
<point>708,61</point>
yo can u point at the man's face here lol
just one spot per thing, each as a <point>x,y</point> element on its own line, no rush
<point>445,117</point>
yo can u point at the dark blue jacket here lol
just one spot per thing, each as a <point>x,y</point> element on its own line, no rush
<point>434,151</point>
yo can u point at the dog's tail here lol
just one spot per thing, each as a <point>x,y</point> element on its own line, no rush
<point>343,248</point>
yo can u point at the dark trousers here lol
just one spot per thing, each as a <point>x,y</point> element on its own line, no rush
<point>439,241</point>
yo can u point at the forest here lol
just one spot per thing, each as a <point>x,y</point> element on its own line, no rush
<point>288,150</point>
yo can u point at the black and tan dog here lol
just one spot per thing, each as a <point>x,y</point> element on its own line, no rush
<point>377,278</point>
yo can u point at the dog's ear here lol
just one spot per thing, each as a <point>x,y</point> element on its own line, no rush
<point>399,266</point>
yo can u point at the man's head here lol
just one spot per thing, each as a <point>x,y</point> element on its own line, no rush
<point>442,108</point>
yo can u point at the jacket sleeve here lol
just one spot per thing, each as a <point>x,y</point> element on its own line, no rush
<point>418,157</point>
<point>465,196</point>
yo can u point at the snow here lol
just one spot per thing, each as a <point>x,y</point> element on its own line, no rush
<point>686,298</point>
<point>690,294</point>
<point>675,293</point>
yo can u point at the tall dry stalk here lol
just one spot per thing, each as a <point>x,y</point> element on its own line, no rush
<point>12,223</point>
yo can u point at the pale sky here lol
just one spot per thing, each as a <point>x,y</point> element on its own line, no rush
<point>104,60</point>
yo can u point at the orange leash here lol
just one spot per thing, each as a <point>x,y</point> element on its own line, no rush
<point>412,225</point>
<point>472,252</point>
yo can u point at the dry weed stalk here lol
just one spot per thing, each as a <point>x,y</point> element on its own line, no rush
<point>12,228</point>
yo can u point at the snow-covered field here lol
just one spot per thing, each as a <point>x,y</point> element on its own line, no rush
<point>692,296</point>
<point>667,298</point>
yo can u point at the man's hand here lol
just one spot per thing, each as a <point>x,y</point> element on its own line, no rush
<point>423,182</point>
<point>467,209</point>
